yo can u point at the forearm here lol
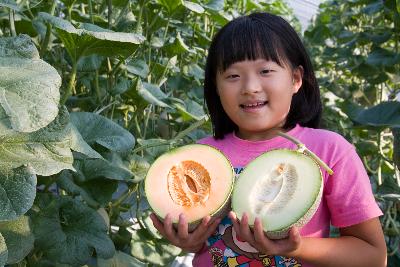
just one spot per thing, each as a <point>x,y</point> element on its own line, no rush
<point>344,251</point>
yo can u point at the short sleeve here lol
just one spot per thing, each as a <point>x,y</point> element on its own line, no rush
<point>348,192</point>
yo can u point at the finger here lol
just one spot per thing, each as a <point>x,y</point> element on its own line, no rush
<point>235,221</point>
<point>245,231</point>
<point>157,223</point>
<point>294,236</point>
<point>183,227</point>
<point>201,228</point>
<point>212,227</point>
<point>259,236</point>
<point>169,229</point>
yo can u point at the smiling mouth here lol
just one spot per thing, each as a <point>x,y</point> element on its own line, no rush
<point>254,105</point>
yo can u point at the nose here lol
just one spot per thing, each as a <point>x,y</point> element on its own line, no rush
<point>251,85</point>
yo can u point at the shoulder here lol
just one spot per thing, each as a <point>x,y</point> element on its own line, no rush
<point>322,137</point>
<point>329,145</point>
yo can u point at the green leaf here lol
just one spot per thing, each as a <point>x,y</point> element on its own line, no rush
<point>382,57</point>
<point>76,231</point>
<point>47,150</point>
<point>29,87</point>
<point>216,5</point>
<point>19,238</point>
<point>90,63</point>
<point>170,5</point>
<point>193,7</point>
<point>96,129</point>
<point>10,4</point>
<point>191,111</point>
<point>3,251</point>
<point>102,168</point>
<point>120,259</point>
<point>152,252</point>
<point>138,67</point>
<point>151,93</point>
<point>95,192</point>
<point>78,144</point>
<point>93,39</point>
<point>383,115</point>
<point>178,46</point>
<point>17,191</point>
<point>396,146</point>
<point>139,167</point>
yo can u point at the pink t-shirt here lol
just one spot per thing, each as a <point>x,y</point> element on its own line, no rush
<point>347,197</point>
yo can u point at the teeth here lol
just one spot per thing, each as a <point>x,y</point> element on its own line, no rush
<point>254,105</point>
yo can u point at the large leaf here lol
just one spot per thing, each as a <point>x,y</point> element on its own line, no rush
<point>29,87</point>
<point>92,39</point>
<point>95,192</point>
<point>147,250</point>
<point>17,191</point>
<point>120,259</point>
<point>79,145</point>
<point>10,4</point>
<point>383,115</point>
<point>76,231</point>
<point>151,93</point>
<point>170,5</point>
<point>48,150</point>
<point>19,238</point>
<point>96,129</point>
<point>3,251</point>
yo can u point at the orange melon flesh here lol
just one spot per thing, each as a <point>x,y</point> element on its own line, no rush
<point>196,180</point>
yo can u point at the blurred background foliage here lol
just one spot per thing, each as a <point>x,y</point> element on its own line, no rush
<point>131,81</point>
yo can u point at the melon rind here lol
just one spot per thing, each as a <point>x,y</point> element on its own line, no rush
<point>276,226</point>
<point>222,180</point>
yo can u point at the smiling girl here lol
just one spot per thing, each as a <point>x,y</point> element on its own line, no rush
<point>259,79</point>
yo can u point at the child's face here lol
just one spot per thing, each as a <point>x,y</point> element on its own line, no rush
<point>256,95</point>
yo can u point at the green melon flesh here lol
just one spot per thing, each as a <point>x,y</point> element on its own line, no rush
<point>282,187</point>
<point>196,180</point>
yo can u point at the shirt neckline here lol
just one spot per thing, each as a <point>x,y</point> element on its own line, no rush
<point>262,144</point>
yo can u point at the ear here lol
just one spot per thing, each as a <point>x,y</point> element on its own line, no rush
<point>297,78</point>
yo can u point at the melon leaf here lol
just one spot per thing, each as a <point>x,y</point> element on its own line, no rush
<point>154,252</point>
<point>120,259</point>
<point>3,251</point>
<point>10,4</point>
<point>29,87</point>
<point>77,231</point>
<point>96,129</point>
<point>151,93</point>
<point>96,192</point>
<point>46,150</point>
<point>92,39</point>
<point>19,238</point>
<point>17,191</point>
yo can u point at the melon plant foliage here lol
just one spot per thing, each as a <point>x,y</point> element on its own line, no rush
<point>91,93</point>
<point>355,49</point>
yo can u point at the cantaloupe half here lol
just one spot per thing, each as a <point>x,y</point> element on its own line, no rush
<point>195,179</point>
<point>282,187</point>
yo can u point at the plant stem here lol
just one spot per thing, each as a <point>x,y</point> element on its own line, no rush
<point>91,11</point>
<point>109,2</point>
<point>12,23</point>
<point>46,40</point>
<point>71,84</point>
<point>305,150</point>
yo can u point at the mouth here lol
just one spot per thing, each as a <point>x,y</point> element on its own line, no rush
<point>254,105</point>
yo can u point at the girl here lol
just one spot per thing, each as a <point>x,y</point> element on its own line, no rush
<point>258,79</point>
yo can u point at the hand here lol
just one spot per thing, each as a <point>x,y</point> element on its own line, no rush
<point>283,247</point>
<point>190,242</point>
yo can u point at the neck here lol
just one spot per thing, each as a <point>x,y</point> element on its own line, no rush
<point>259,136</point>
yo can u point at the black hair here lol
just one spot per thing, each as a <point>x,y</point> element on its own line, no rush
<point>267,36</point>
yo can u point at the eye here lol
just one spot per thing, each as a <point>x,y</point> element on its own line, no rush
<point>232,76</point>
<point>266,71</point>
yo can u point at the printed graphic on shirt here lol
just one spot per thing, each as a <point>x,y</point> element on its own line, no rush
<point>228,250</point>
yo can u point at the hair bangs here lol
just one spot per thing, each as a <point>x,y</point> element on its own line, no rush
<point>248,39</point>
